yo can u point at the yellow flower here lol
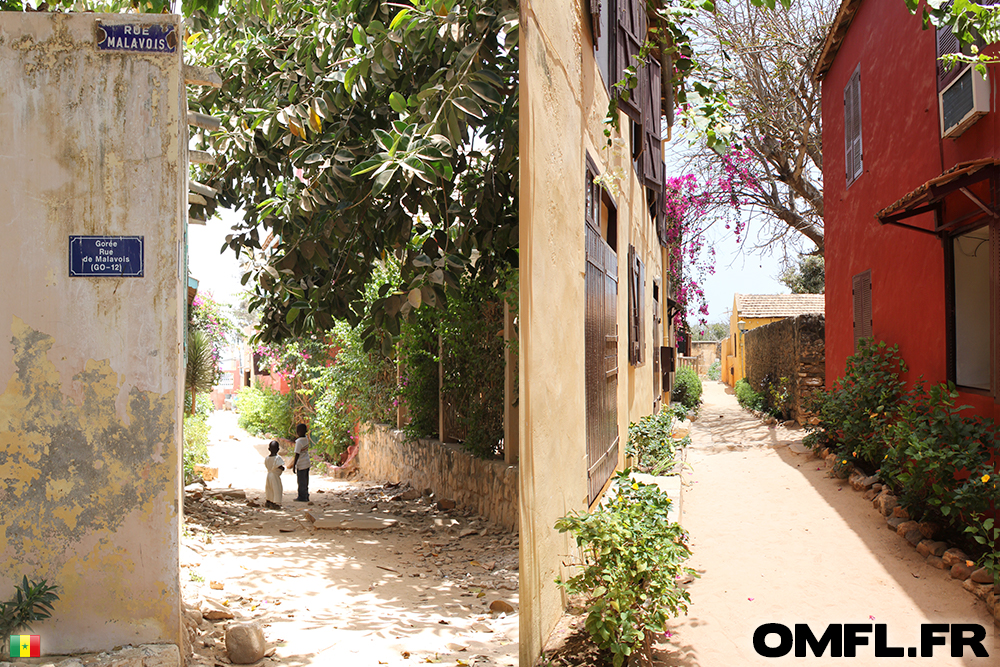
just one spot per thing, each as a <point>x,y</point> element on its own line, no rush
<point>985,478</point>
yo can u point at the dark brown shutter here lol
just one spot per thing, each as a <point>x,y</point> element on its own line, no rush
<point>640,353</point>
<point>595,19</point>
<point>852,127</point>
<point>947,43</point>
<point>862,292</point>
<point>632,297</point>
<point>652,153</point>
<point>630,33</point>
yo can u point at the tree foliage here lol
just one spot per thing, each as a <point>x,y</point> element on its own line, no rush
<point>352,129</point>
<point>807,276</point>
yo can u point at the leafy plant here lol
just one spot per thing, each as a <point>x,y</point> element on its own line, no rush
<point>195,445</point>
<point>985,531</point>
<point>632,562</point>
<point>650,440</point>
<point>32,601</point>
<point>748,398</point>
<point>853,414</point>
<point>264,411</point>
<point>777,396</point>
<point>939,461</point>
<point>202,372</point>
<point>715,370</point>
<point>687,388</point>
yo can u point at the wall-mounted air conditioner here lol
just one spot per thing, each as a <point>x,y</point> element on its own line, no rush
<point>963,102</point>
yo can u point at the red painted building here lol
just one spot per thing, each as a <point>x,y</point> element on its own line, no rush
<point>912,235</point>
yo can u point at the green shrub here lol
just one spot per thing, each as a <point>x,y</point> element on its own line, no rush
<point>264,412</point>
<point>650,442</point>
<point>938,461</point>
<point>195,444</point>
<point>633,561</point>
<point>748,398</point>
<point>853,414</point>
<point>419,384</point>
<point>715,370</point>
<point>204,404</point>
<point>687,388</point>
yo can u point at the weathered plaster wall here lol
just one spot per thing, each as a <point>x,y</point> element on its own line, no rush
<point>563,106</point>
<point>488,487</point>
<point>92,143</point>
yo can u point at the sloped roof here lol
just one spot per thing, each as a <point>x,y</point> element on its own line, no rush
<point>779,305</point>
<point>834,38</point>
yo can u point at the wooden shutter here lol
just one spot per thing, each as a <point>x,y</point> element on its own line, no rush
<point>630,33</point>
<point>947,43</point>
<point>632,297</point>
<point>640,353</point>
<point>852,127</point>
<point>995,301</point>
<point>652,153</point>
<point>862,292</point>
<point>595,19</point>
<point>601,345</point>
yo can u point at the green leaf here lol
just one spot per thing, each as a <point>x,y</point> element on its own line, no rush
<point>313,158</point>
<point>359,36</point>
<point>292,314</point>
<point>397,102</point>
<point>382,179</point>
<point>397,21</point>
<point>469,106</point>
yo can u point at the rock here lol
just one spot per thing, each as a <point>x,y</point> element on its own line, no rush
<point>206,473</point>
<point>929,529</point>
<point>935,561</point>
<point>905,527</point>
<point>894,522</point>
<point>876,488</point>
<point>215,585</point>
<point>869,482</point>
<point>501,607</point>
<point>960,571</point>
<point>979,590</point>
<point>914,537</point>
<point>195,490</point>
<point>245,643</point>
<point>925,547</point>
<point>192,618</point>
<point>870,494</point>
<point>215,611</point>
<point>309,515</point>
<point>409,494</point>
<point>991,602</point>
<point>467,531</point>
<point>901,512</point>
<point>232,494</point>
<point>855,480</point>
<point>446,504</point>
<point>885,502</point>
<point>353,522</point>
<point>982,576</point>
<point>953,556</point>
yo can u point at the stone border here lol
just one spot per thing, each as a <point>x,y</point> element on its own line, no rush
<point>920,535</point>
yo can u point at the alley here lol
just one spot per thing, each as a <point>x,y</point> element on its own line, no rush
<point>776,540</point>
<point>410,583</point>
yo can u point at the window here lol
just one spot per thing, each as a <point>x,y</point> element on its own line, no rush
<point>636,308</point>
<point>970,311</point>
<point>852,127</point>
<point>601,26</point>
<point>862,291</point>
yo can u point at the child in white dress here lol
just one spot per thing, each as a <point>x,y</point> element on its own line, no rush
<point>272,487</point>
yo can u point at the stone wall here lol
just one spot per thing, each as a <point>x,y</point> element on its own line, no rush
<point>707,352</point>
<point>489,488</point>
<point>792,348</point>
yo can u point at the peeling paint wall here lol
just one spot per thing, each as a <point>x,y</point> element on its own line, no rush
<point>563,104</point>
<point>90,368</point>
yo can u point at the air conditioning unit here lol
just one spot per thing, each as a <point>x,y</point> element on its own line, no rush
<point>963,102</point>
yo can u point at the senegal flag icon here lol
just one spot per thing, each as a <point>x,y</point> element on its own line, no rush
<point>25,646</point>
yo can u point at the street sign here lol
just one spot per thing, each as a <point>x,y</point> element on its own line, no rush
<point>137,37</point>
<point>106,256</point>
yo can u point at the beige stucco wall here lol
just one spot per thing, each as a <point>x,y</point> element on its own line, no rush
<point>90,368</point>
<point>563,104</point>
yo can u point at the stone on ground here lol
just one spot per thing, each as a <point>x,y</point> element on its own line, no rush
<point>245,643</point>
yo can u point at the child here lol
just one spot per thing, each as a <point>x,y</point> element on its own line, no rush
<point>272,487</point>
<point>301,463</point>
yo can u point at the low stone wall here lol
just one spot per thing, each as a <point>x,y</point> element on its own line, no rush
<point>489,488</point>
<point>792,348</point>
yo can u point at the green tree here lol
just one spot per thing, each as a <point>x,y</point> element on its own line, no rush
<point>808,276</point>
<point>352,130</point>
<point>711,331</point>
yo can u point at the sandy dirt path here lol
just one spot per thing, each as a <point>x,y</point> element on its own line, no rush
<point>777,540</point>
<point>418,591</point>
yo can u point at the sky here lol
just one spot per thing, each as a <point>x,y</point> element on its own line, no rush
<point>215,273</point>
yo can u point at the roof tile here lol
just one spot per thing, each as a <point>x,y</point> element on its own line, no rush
<point>779,305</point>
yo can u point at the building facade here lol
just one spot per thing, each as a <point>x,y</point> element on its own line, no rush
<point>594,285</point>
<point>910,193</point>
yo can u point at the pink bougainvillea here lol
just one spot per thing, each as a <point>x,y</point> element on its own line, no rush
<point>691,207</point>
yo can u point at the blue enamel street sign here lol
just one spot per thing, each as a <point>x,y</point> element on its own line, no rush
<point>137,37</point>
<point>112,256</point>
